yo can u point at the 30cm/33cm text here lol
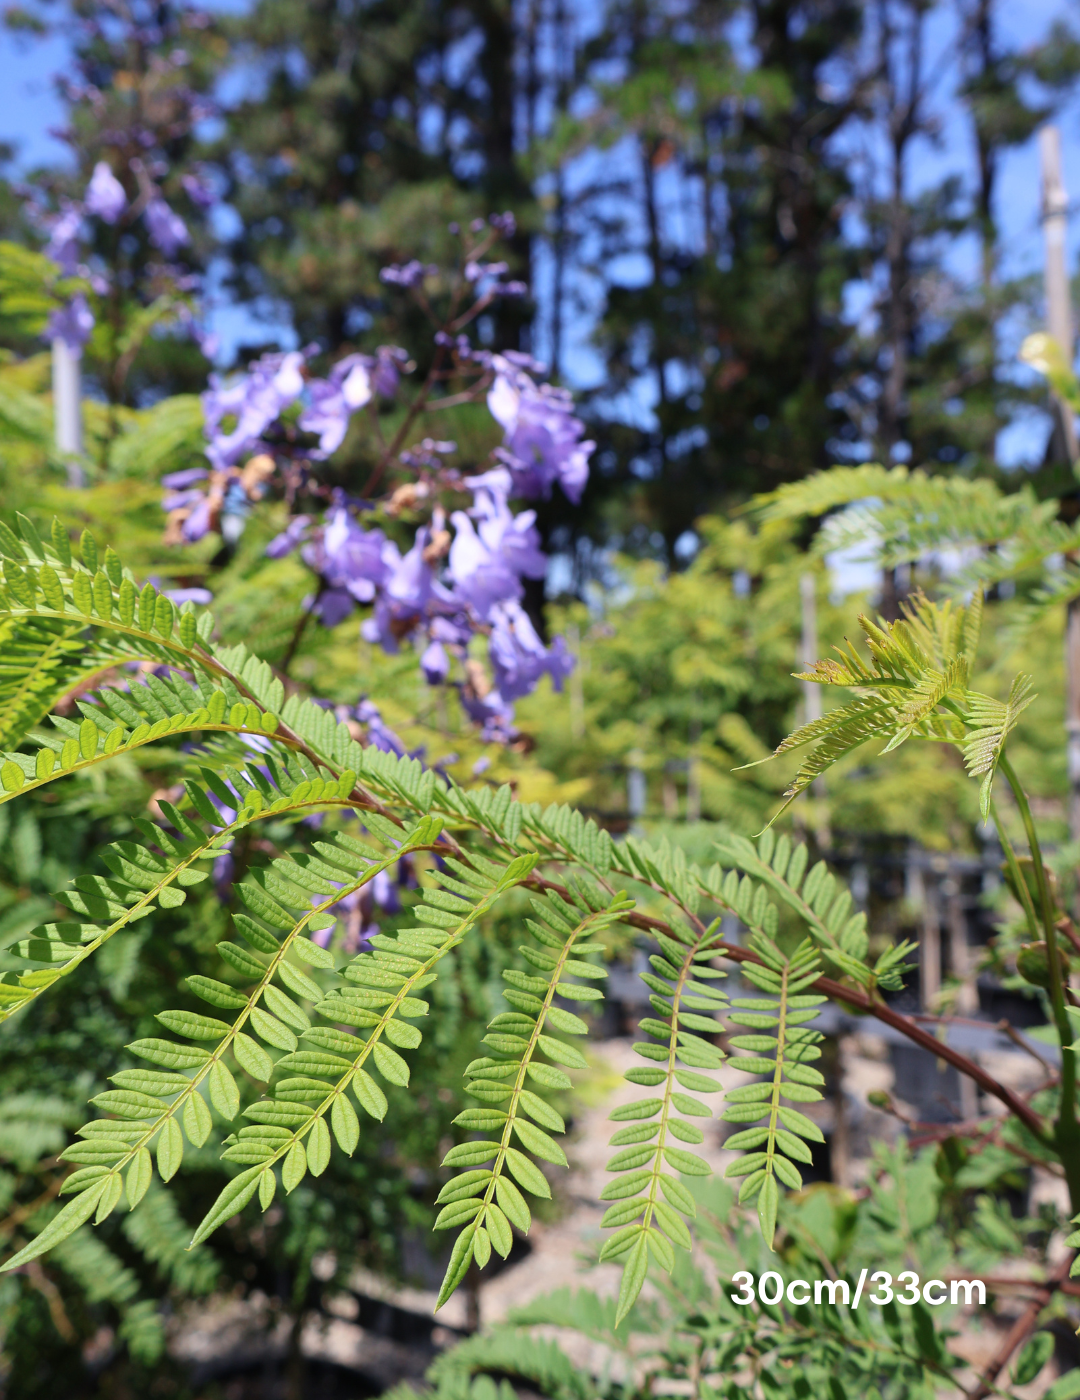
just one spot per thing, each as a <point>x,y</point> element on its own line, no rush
<point>837,1293</point>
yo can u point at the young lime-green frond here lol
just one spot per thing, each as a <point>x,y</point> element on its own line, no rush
<point>915,684</point>
<point>990,724</point>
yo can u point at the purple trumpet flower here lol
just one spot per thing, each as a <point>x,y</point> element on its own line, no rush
<point>543,442</point>
<point>435,663</point>
<point>333,401</point>
<point>199,522</point>
<point>63,244</point>
<point>518,656</point>
<point>333,605</point>
<point>326,414</point>
<point>289,538</point>
<point>254,401</point>
<point>354,562</point>
<point>452,632</point>
<point>444,634</point>
<point>487,560</point>
<point>72,324</point>
<point>492,713</point>
<point>178,481</point>
<point>410,595</point>
<point>166,228</point>
<point>105,195</point>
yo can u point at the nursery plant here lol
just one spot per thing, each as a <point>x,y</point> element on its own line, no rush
<point>301,1038</point>
<point>283,1041</point>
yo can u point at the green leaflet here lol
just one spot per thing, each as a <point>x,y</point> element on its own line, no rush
<point>170,1149</point>
<point>251,1057</point>
<point>780,1140</point>
<point>77,1212</point>
<point>346,1125</point>
<point>273,1031</point>
<point>368,1094</point>
<point>232,1200</point>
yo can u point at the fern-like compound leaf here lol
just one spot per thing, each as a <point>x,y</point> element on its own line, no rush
<point>784,1049</point>
<point>649,1199</point>
<point>915,684</point>
<point>822,902</point>
<point>487,1200</point>
<point>991,724</point>
<point>154,872</point>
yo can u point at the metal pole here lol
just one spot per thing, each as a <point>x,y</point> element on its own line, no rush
<point>575,685</point>
<point>1059,321</point>
<point>636,789</point>
<point>930,947</point>
<point>811,692</point>
<point>693,777</point>
<point>1059,325</point>
<point>67,407</point>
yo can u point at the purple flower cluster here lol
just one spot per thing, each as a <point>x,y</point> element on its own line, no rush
<point>63,244</point>
<point>332,401</point>
<point>106,199</point>
<point>72,323</point>
<point>437,606</point>
<point>236,414</point>
<point>105,195</point>
<point>166,228</point>
<point>409,274</point>
<point>460,585</point>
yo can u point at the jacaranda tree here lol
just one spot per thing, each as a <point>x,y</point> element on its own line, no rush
<point>296,807</point>
<point>257,755</point>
